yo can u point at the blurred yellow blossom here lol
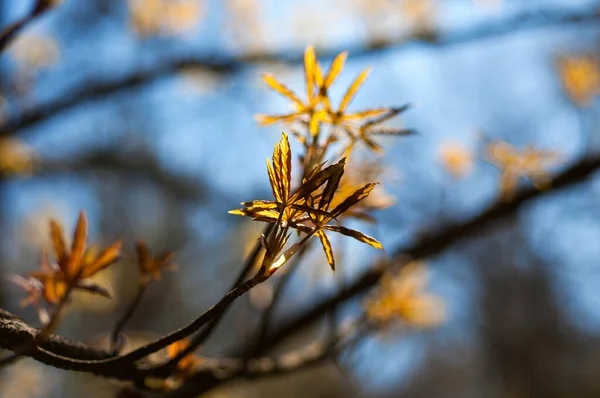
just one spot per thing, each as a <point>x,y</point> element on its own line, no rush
<point>515,164</point>
<point>403,297</point>
<point>580,76</point>
<point>35,51</point>
<point>165,17</point>
<point>151,266</point>
<point>420,14</point>
<point>185,367</point>
<point>456,159</point>
<point>16,157</point>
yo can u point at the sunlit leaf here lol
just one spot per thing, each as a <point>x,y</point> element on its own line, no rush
<point>103,260</point>
<point>57,235</point>
<point>351,92</point>
<point>282,89</point>
<point>355,234</point>
<point>317,179</point>
<point>334,70</point>
<point>309,71</point>
<point>77,246</point>
<point>330,189</point>
<point>353,199</point>
<point>327,249</point>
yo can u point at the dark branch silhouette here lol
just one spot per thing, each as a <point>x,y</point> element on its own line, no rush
<point>427,246</point>
<point>9,33</point>
<point>66,354</point>
<point>223,64</point>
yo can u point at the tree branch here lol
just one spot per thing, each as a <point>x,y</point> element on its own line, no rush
<point>310,355</point>
<point>93,90</point>
<point>14,332</point>
<point>428,246</point>
<point>137,165</point>
<point>70,355</point>
<point>9,33</point>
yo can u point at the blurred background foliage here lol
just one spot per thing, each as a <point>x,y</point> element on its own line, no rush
<point>142,113</point>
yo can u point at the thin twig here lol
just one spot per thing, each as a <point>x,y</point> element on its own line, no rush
<point>93,90</point>
<point>63,354</point>
<point>46,330</point>
<point>427,246</point>
<point>164,370</point>
<point>205,333</point>
<point>115,337</point>
<point>265,320</point>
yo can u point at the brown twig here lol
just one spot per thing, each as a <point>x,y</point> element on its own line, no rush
<point>115,337</point>
<point>93,90</point>
<point>310,355</point>
<point>164,370</point>
<point>46,330</point>
<point>65,354</point>
<point>265,320</point>
<point>427,246</point>
<point>8,33</point>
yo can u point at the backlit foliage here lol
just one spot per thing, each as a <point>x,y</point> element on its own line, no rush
<point>306,209</point>
<point>515,164</point>
<point>330,177</point>
<point>317,109</point>
<point>356,175</point>
<point>580,77</point>
<point>403,297</point>
<point>334,178</point>
<point>72,265</point>
<point>151,266</point>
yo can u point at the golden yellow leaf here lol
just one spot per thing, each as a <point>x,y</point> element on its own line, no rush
<point>580,76</point>
<point>77,247</point>
<point>282,89</point>
<point>309,71</point>
<point>58,241</point>
<point>351,92</point>
<point>103,260</point>
<point>335,69</point>
<point>353,199</point>
<point>316,179</point>
<point>330,189</point>
<point>327,249</point>
<point>403,297</point>
<point>356,235</point>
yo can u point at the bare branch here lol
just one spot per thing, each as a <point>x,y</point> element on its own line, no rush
<point>15,332</point>
<point>312,354</point>
<point>93,90</point>
<point>10,32</point>
<point>138,164</point>
<point>116,339</point>
<point>66,354</point>
<point>428,246</point>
